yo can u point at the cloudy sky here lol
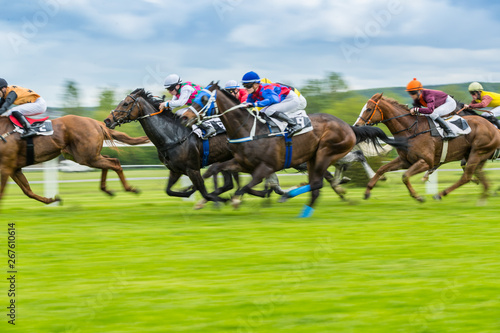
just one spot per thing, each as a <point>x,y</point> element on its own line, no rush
<point>129,44</point>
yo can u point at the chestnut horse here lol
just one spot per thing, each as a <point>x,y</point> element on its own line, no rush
<point>330,140</point>
<point>77,138</point>
<point>425,151</point>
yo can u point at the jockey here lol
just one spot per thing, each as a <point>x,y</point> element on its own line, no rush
<point>234,89</point>
<point>433,104</point>
<point>184,94</point>
<point>275,99</point>
<point>485,99</point>
<point>26,103</point>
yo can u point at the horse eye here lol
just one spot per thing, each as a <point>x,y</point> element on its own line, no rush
<point>126,103</point>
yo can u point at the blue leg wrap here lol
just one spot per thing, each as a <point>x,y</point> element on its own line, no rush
<point>299,190</point>
<point>306,212</point>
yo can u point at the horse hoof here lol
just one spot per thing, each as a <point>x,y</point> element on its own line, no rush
<point>437,197</point>
<point>235,202</point>
<point>135,190</point>
<point>383,178</point>
<point>283,198</point>
<point>200,204</point>
<point>306,212</point>
<point>482,202</point>
<point>367,196</point>
<point>420,199</point>
<point>217,204</point>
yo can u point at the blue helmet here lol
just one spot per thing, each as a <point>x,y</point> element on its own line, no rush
<point>3,83</point>
<point>250,77</point>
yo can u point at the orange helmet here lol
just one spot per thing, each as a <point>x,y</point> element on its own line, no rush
<point>414,85</point>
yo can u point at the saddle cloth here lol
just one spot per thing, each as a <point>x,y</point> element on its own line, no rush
<point>42,126</point>
<point>215,122</point>
<point>300,116</point>
<point>457,124</point>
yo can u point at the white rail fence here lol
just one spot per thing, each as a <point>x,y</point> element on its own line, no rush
<point>51,175</point>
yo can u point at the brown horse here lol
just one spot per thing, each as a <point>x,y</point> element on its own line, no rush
<point>425,151</point>
<point>77,138</point>
<point>330,140</point>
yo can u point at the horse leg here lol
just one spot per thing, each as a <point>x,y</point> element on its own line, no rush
<point>335,180</point>
<point>105,163</point>
<point>274,184</point>
<point>228,183</point>
<point>395,164</point>
<point>104,175</point>
<point>4,176</point>
<point>484,181</point>
<point>472,163</point>
<point>259,173</point>
<point>21,181</point>
<point>172,179</point>
<point>416,168</point>
<point>197,180</point>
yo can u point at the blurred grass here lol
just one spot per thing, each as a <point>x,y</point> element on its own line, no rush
<point>149,263</point>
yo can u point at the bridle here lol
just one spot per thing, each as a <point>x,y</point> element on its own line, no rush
<point>126,119</point>
<point>382,120</point>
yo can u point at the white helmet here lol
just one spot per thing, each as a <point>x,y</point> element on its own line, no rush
<point>475,86</point>
<point>171,81</point>
<point>231,84</point>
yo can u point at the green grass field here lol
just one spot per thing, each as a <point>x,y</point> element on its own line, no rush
<point>150,263</point>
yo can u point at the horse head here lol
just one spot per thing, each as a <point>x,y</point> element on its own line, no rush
<point>371,113</point>
<point>204,105</point>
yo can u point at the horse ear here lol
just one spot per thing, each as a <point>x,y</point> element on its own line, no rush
<point>381,94</point>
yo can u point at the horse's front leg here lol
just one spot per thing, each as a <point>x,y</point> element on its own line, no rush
<point>20,179</point>
<point>260,172</point>
<point>197,180</point>
<point>418,167</point>
<point>172,179</point>
<point>395,164</point>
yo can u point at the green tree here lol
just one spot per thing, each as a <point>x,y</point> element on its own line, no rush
<point>71,97</point>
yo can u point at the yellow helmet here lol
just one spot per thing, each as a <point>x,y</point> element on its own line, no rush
<point>475,86</point>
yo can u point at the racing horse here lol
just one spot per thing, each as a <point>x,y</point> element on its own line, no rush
<point>426,152</point>
<point>330,140</point>
<point>76,138</point>
<point>179,149</point>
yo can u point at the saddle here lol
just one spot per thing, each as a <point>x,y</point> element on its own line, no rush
<point>278,126</point>
<point>41,126</point>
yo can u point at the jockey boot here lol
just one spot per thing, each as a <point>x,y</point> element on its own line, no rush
<point>209,130</point>
<point>448,133</point>
<point>28,131</point>
<point>293,127</point>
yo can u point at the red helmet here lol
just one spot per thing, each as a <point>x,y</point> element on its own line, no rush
<point>414,85</point>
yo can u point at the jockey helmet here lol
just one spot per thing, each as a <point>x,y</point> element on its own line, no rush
<point>475,86</point>
<point>414,85</point>
<point>231,84</point>
<point>171,81</point>
<point>250,77</point>
<point>3,83</point>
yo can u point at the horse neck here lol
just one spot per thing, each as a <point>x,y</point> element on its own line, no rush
<point>397,124</point>
<point>238,123</point>
<point>161,129</point>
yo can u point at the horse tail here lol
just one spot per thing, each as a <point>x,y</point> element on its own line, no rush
<point>373,134</point>
<point>110,134</point>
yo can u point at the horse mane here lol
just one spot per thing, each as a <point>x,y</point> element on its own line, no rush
<point>151,99</point>
<point>396,103</point>
<point>148,96</point>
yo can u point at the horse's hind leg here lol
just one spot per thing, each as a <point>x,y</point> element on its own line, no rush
<point>418,167</point>
<point>484,181</point>
<point>473,163</point>
<point>20,179</point>
<point>105,163</point>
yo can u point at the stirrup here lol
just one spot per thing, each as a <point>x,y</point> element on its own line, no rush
<point>28,133</point>
<point>209,133</point>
